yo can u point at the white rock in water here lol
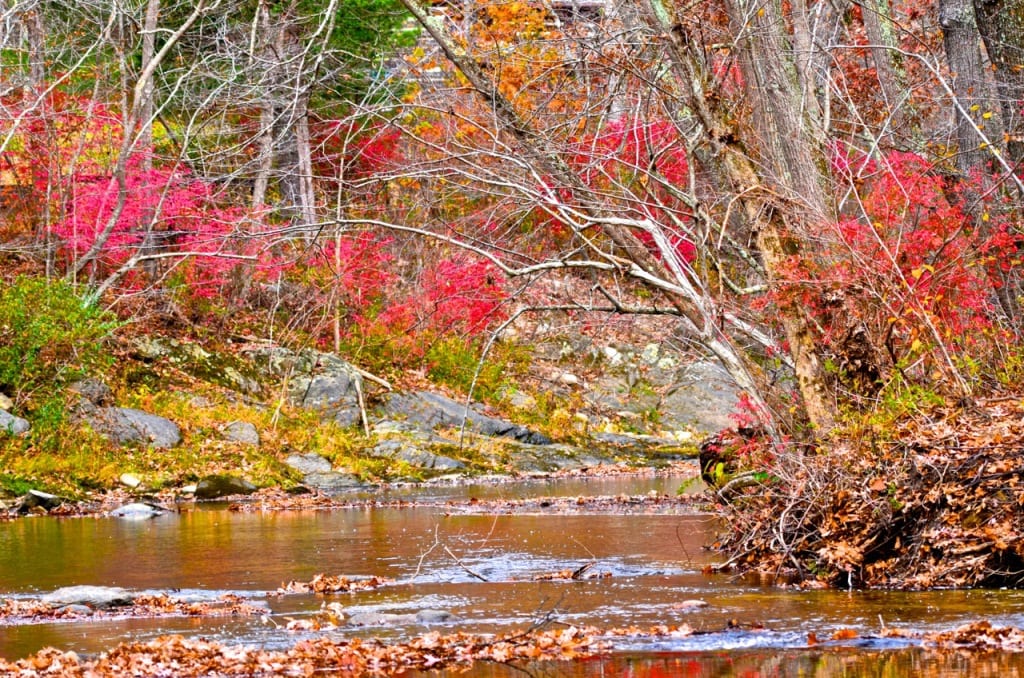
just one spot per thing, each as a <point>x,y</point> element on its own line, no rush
<point>137,511</point>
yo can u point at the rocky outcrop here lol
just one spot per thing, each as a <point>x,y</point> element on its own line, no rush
<point>431,410</point>
<point>126,426</point>
<point>317,381</point>
<point>222,369</point>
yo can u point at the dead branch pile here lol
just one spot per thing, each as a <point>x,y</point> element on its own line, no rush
<point>941,507</point>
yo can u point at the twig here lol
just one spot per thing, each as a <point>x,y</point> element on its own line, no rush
<point>464,566</point>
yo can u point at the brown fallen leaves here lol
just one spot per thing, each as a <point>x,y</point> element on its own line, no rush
<point>322,583</point>
<point>174,655</point>
<point>939,506</point>
<point>32,611</point>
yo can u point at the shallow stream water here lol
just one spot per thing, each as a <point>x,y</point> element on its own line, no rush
<point>440,556</point>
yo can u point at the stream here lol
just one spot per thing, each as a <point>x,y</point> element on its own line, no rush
<point>440,556</point>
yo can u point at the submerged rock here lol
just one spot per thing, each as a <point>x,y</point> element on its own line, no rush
<point>393,619</point>
<point>95,597</point>
<point>138,511</point>
<point>222,485</point>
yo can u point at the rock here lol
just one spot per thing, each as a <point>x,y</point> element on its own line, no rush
<point>137,511</point>
<point>701,399</point>
<point>12,424</point>
<point>692,604</point>
<point>223,485</point>
<point>36,499</point>
<point>327,384</point>
<point>129,480</point>
<point>432,410</point>
<point>189,489</point>
<point>125,426</point>
<point>414,455</point>
<point>222,369</point>
<point>333,482</point>
<point>93,391</point>
<point>96,597</point>
<point>613,356</point>
<point>242,432</point>
<point>380,619</point>
<point>5,402</point>
<point>392,619</point>
<point>308,463</point>
<point>434,616</point>
<point>567,379</point>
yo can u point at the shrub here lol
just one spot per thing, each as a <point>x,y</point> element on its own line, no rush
<point>49,337</point>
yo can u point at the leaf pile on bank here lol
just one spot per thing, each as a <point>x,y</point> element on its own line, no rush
<point>174,655</point>
<point>941,507</point>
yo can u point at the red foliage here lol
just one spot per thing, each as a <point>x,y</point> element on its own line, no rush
<point>907,263</point>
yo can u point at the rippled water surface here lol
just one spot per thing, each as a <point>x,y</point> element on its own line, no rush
<point>481,569</point>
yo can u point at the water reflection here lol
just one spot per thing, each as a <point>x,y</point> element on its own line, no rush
<point>480,568</point>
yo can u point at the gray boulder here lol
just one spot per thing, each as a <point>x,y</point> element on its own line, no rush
<point>333,482</point>
<point>222,369</point>
<point>435,411</point>
<point>12,424</point>
<point>95,597</point>
<point>316,381</point>
<point>125,426</point>
<point>331,388</point>
<point>222,485</point>
<point>242,432</point>
<point>701,398</point>
<point>317,473</point>
<point>414,455</point>
<point>36,499</point>
<point>308,463</point>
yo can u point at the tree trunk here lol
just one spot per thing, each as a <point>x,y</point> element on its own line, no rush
<point>892,78</point>
<point>962,42</point>
<point>1001,24</point>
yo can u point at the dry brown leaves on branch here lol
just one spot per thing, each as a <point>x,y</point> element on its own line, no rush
<point>323,583</point>
<point>940,507</point>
